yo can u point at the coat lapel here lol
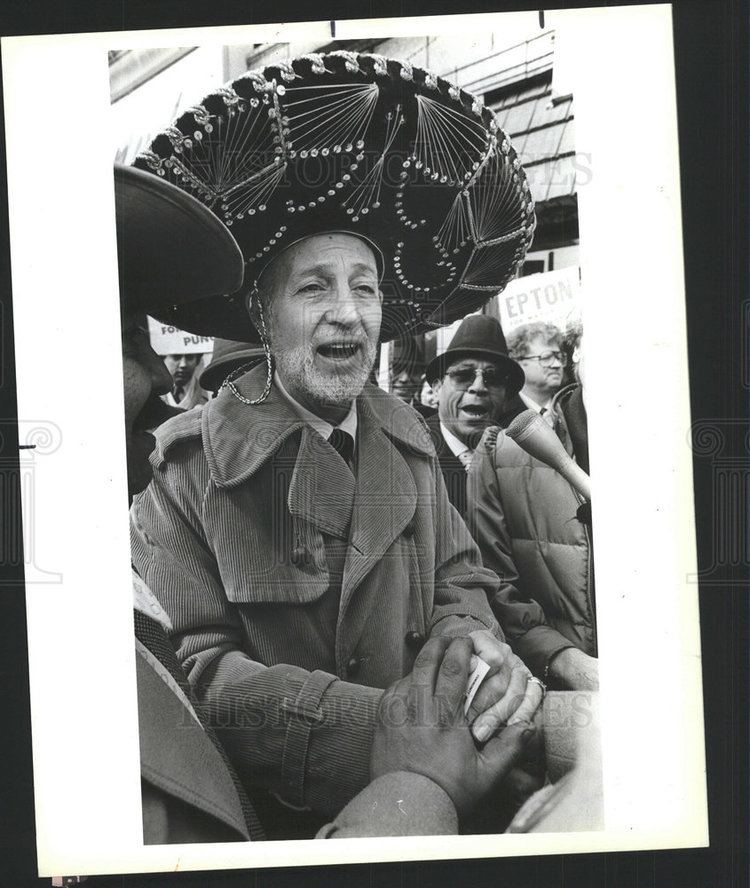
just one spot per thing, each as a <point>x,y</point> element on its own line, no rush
<point>385,498</point>
<point>239,439</point>
<point>321,491</point>
<point>371,511</point>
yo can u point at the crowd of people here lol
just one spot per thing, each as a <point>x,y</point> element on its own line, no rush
<point>517,507</point>
<point>347,610</point>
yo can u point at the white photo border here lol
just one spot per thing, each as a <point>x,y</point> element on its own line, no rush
<point>66,309</point>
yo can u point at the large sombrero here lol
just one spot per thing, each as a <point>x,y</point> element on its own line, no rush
<point>358,143</point>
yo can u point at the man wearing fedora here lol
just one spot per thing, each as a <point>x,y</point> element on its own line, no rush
<point>297,530</point>
<point>474,381</point>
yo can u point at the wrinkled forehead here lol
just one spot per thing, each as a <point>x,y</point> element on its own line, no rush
<point>325,250</point>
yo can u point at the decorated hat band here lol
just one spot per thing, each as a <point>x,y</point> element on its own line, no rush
<point>356,143</point>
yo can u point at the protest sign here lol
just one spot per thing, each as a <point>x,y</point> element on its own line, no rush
<point>552,297</point>
<point>168,340</point>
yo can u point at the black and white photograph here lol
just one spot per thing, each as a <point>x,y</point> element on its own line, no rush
<point>309,540</point>
<point>355,310</point>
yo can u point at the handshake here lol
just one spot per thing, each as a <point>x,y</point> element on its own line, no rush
<point>466,744</point>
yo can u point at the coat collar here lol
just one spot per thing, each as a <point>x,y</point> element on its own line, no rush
<point>239,439</point>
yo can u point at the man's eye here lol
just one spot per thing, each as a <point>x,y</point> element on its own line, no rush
<point>313,287</point>
<point>369,289</point>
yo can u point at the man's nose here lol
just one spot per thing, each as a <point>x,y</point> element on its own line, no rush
<point>345,307</point>
<point>478,386</point>
<point>184,361</point>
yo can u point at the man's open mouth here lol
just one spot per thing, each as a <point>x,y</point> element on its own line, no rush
<point>339,350</point>
<point>474,411</point>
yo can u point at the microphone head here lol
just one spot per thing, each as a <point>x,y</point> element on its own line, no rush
<point>520,426</point>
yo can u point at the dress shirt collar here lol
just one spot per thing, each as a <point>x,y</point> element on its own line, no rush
<point>348,423</point>
<point>455,444</point>
<point>532,404</point>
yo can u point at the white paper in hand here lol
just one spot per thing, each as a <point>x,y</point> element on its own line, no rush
<point>478,670</point>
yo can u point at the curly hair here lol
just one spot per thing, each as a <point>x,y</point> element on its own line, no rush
<point>573,335</point>
<point>520,338</point>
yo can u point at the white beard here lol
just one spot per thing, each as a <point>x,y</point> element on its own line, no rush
<point>297,369</point>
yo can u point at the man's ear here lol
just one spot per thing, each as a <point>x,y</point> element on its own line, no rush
<point>435,386</point>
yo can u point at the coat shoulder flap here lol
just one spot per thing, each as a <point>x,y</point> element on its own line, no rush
<point>176,431</point>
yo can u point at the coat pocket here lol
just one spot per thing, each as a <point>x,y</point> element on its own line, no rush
<point>275,565</point>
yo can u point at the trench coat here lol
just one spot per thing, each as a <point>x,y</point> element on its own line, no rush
<point>248,516</point>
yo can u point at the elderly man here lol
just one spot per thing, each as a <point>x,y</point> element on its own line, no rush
<point>297,530</point>
<point>273,536</point>
<point>538,348</point>
<point>474,381</point>
<point>190,792</point>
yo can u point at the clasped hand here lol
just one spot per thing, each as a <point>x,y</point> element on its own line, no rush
<point>506,696</point>
<point>421,726</point>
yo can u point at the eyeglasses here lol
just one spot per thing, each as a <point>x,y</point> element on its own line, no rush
<point>547,359</point>
<point>465,376</point>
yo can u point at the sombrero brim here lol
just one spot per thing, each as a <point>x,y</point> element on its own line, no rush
<point>171,248</point>
<point>437,366</point>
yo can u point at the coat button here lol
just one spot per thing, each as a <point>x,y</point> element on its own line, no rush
<point>408,531</point>
<point>414,640</point>
<point>353,667</point>
<point>300,556</point>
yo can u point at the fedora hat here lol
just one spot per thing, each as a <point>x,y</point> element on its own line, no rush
<point>361,144</point>
<point>478,336</point>
<point>227,357</point>
<point>171,249</point>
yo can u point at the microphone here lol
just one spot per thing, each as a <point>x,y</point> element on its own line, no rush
<point>539,440</point>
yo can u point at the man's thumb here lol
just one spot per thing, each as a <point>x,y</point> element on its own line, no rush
<point>505,749</point>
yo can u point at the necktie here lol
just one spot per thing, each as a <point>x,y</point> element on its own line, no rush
<point>466,458</point>
<point>343,444</point>
<point>178,393</point>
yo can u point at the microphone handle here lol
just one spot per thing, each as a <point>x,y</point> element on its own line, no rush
<point>540,441</point>
<point>576,477</point>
